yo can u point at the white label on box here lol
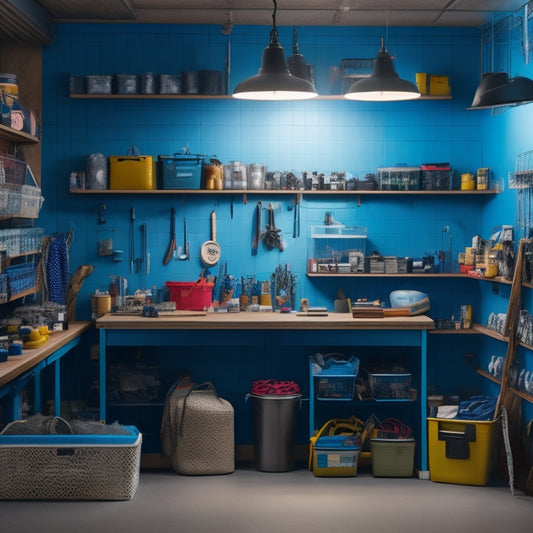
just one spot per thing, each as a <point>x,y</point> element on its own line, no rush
<point>335,460</point>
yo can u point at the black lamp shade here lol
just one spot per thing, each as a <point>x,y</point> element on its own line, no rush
<point>497,89</point>
<point>274,81</point>
<point>383,84</point>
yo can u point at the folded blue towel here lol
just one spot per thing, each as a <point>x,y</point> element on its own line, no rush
<point>477,408</point>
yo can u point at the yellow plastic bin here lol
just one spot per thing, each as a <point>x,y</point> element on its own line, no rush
<point>131,172</point>
<point>461,451</point>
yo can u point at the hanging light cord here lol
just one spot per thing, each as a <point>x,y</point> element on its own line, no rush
<point>274,38</point>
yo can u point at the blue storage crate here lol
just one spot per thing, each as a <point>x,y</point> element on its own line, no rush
<point>335,379</point>
<point>339,367</point>
<point>3,288</point>
<point>180,171</point>
<point>21,278</point>
<point>335,387</point>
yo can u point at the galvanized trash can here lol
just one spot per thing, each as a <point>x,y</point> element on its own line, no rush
<point>275,427</point>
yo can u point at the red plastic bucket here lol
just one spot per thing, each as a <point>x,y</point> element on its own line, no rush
<point>191,295</point>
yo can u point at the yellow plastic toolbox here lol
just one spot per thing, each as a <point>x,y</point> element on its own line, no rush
<point>461,451</point>
<point>439,86</point>
<point>131,172</point>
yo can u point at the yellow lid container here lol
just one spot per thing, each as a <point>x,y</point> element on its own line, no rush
<point>461,451</point>
<point>468,183</point>
<point>439,86</point>
<point>422,82</point>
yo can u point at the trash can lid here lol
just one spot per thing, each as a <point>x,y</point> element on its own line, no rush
<point>263,387</point>
<point>274,397</point>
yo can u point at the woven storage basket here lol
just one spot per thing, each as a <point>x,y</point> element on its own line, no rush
<point>70,467</point>
<point>202,439</point>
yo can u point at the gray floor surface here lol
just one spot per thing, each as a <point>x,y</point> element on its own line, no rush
<point>288,502</point>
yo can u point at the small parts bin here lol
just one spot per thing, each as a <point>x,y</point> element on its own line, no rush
<point>334,375</point>
<point>461,451</point>
<point>389,386</point>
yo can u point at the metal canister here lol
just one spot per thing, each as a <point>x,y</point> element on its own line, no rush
<point>235,175</point>
<point>97,174</point>
<point>482,178</point>
<point>256,176</point>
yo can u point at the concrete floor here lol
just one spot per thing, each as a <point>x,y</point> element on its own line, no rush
<point>289,502</point>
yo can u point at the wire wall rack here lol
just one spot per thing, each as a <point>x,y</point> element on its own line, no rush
<point>522,180</point>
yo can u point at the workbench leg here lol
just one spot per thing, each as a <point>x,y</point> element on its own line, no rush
<point>424,472</point>
<point>16,401</point>
<point>57,387</point>
<point>103,384</point>
<point>37,400</point>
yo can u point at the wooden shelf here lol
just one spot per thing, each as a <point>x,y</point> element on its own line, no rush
<point>264,192</point>
<point>22,294</point>
<point>17,136</point>
<point>466,331</point>
<point>524,395</point>
<point>476,329</point>
<point>368,275</point>
<point>214,97</point>
<point>490,333</point>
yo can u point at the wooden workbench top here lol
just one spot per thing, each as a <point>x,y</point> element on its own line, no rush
<point>263,320</point>
<point>18,364</point>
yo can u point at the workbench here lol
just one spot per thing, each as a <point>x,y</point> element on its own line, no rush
<point>278,329</point>
<point>18,369</point>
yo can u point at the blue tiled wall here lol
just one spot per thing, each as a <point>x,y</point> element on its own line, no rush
<point>314,135</point>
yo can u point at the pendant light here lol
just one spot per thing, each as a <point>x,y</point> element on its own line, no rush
<point>383,84</point>
<point>497,90</point>
<point>274,81</point>
<point>296,63</point>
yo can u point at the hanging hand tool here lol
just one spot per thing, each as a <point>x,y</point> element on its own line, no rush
<point>184,254</point>
<point>132,239</point>
<point>296,222</point>
<point>172,244</point>
<point>210,250</point>
<point>139,260</point>
<point>101,213</point>
<point>272,234</point>
<point>257,232</point>
<point>146,255</point>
